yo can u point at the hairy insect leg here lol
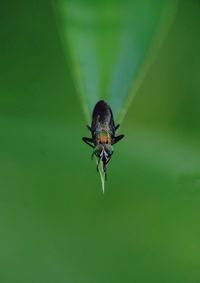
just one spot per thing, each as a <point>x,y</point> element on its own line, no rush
<point>118,138</point>
<point>88,141</point>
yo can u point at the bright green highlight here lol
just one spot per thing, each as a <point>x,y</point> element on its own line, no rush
<point>110,44</point>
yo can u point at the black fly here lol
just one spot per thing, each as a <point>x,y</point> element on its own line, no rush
<point>103,133</point>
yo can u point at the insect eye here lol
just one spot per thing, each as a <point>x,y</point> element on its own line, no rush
<point>108,149</point>
<point>98,149</point>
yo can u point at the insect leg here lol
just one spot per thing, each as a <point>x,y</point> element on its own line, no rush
<point>107,161</point>
<point>93,153</point>
<point>98,164</point>
<point>117,127</point>
<point>89,128</point>
<point>118,138</point>
<point>104,169</point>
<point>88,141</point>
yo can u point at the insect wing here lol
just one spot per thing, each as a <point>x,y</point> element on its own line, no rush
<point>102,117</point>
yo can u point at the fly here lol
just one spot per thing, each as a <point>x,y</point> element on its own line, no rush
<point>103,133</point>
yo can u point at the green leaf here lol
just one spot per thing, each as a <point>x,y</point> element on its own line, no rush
<point>110,45</point>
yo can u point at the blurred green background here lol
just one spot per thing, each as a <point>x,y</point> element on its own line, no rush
<point>56,226</point>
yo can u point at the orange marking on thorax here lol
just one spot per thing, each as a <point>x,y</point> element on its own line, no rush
<point>104,137</point>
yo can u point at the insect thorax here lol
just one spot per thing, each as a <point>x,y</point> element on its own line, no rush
<point>103,137</point>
